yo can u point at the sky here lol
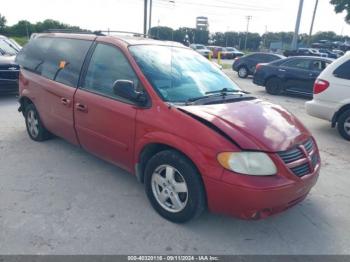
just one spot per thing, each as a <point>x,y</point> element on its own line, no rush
<point>224,15</point>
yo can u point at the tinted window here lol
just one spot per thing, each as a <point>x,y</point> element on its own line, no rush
<point>343,71</point>
<point>107,65</point>
<point>64,60</point>
<point>298,63</point>
<point>32,55</point>
<point>318,65</point>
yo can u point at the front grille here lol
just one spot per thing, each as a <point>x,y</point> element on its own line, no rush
<point>301,160</point>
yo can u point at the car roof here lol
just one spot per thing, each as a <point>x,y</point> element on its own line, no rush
<point>128,40</point>
<point>313,57</point>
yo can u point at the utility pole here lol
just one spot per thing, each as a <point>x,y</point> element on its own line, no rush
<point>249,17</point>
<point>297,25</point>
<point>312,22</point>
<point>150,15</point>
<point>145,17</point>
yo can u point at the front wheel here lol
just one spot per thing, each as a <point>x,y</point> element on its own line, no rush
<point>174,187</point>
<point>243,72</point>
<point>274,86</point>
<point>344,125</point>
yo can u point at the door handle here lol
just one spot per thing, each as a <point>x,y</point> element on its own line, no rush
<point>65,101</point>
<point>282,70</point>
<point>81,107</point>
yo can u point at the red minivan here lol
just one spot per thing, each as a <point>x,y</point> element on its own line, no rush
<point>167,115</point>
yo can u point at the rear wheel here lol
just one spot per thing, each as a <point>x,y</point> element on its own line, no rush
<point>274,86</point>
<point>173,186</point>
<point>35,128</point>
<point>243,72</point>
<point>344,125</point>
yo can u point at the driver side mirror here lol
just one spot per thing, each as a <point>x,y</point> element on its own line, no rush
<point>126,89</point>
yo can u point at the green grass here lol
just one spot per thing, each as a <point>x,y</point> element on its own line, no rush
<point>20,39</point>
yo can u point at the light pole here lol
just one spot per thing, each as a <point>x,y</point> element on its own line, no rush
<point>249,17</point>
<point>145,17</point>
<point>312,22</point>
<point>297,25</point>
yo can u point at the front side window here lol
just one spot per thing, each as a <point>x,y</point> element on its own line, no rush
<point>343,71</point>
<point>64,60</point>
<point>318,65</point>
<point>179,74</point>
<point>107,65</point>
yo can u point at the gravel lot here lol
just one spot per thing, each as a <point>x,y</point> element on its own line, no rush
<point>57,199</point>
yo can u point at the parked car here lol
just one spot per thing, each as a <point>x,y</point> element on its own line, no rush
<point>246,65</point>
<point>170,117</point>
<point>294,75</point>
<point>233,52</point>
<point>303,52</point>
<point>219,49</point>
<point>8,68</point>
<point>332,96</point>
<point>339,53</point>
<point>329,53</point>
<point>201,49</point>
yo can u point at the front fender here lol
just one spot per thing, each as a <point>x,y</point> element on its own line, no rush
<point>202,157</point>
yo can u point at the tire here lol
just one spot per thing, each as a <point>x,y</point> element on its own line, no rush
<point>344,125</point>
<point>165,173</point>
<point>242,72</point>
<point>35,128</point>
<point>274,86</point>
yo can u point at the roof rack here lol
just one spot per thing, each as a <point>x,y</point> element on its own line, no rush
<point>121,32</point>
<point>98,32</point>
<point>69,31</point>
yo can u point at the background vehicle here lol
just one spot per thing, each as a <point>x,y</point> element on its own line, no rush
<point>329,53</point>
<point>122,99</point>
<point>8,68</point>
<point>332,95</point>
<point>245,65</point>
<point>290,75</point>
<point>217,49</point>
<point>233,52</point>
<point>201,49</point>
<point>302,52</point>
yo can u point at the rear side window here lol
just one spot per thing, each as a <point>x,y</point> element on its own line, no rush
<point>298,63</point>
<point>269,58</point>
<point>343,71</point>
<point>64,60</point>
<point>32,55</point>
<point>107,65</point>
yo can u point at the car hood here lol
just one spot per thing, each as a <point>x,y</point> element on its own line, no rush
<point>254,124</point>
<point>7,60</point>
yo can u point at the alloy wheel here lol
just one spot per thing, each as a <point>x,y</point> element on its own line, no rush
<point>169,188</point>
<point>33,123</point>
<point>347,126</point>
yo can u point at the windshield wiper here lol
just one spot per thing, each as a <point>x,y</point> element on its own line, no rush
<point>223,91</point>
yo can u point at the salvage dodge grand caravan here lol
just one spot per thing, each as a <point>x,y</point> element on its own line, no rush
<point>174,120</point>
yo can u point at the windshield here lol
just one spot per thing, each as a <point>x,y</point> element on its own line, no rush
<point>201,47</point>
<point>6,48</point>
<point>179,74</point>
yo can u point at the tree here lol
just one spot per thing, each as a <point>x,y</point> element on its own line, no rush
<point>22,28</point>
<point>161,32</point>
<point>342,5</point>
<point>3,22</point>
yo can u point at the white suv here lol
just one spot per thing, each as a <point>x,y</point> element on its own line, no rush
<point>332,95</point>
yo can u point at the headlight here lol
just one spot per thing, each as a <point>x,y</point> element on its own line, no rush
<point>248,163</point>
